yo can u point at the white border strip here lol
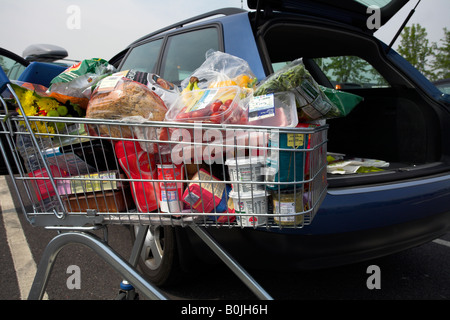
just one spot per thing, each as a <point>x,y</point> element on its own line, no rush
<point>20,251</point>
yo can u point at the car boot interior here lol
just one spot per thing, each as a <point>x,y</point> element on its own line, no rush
<point>394,122</point>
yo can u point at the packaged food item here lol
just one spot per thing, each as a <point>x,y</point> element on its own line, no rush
<point>344,101</point>
<point>356,165</point>
<point>166,90</point>
<point>41,183</point>
<point>214,91</point>
<point>312,103</point>
<point>216,105</point>
<point>287,207</point>
<point>222,69</point>
<point>79,79</point>
<point>102,201</point>
<point>141,167</point>
<point>170,192</point>
<point>102,191</point>
<point>246,169</point>
<point>272,110</point>
<point>224,207</point>
<point>287,160</point>
<point>119,98</point>
<point>92,182</point>
<point>252,204</point>
<point>201,195</point>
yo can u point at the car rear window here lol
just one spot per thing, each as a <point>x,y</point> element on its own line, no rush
<point>350,72</point>
<point>144,57</point>
<point>185,52</point>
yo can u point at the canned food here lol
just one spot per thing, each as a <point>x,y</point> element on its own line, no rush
<point>171,192</point>
<point>288,207</point>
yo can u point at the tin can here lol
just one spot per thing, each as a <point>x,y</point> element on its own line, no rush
<point>288,207</point>
<point>246,170</point>
<point>170,191</point>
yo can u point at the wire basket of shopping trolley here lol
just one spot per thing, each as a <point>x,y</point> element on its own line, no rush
<point>167,174</point>
<point>77,174</point>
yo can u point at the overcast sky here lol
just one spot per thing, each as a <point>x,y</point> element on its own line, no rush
<point>102,28</point>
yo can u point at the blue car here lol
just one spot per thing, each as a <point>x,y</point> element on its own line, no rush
<point>403,120</point>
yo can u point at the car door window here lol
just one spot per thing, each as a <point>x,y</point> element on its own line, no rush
<point>186,52</point>
<point>11,67</point>
<point>350,72</point>
<point>144,57</point>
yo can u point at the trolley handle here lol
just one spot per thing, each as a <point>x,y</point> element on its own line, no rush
<point>4,80</point>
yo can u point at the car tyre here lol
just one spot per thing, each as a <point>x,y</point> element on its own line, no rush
<point>159,260</point>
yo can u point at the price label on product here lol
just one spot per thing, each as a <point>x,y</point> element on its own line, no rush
<point>204,99</point>
<point>295,140</point>
<point>109,83</point>
<point>261,107</point>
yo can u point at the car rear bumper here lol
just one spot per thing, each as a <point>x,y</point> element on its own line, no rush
<point>258,249</point>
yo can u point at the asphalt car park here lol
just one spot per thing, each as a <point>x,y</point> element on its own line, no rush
<point>419,273</point>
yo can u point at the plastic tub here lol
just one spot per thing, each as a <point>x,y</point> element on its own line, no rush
<point>246,169</point>
<point>273,110</point>
<point>252,204</point>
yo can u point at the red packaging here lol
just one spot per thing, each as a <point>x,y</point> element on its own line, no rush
<point>201,195</point>
<point>139,165</point>
<point>170,192</point>
<point>42,186</point>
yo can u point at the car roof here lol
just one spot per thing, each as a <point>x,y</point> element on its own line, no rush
<point>180,24</point>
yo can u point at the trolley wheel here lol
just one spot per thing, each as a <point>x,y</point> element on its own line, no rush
<point>127,295</point>
<point>159,256</point>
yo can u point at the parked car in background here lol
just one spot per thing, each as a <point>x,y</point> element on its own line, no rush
<point>43,62</point>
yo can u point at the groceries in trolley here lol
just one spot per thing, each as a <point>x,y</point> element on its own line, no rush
<point>223,149</point>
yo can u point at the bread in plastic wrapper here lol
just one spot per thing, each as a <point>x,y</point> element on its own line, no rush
<point>119,98</point>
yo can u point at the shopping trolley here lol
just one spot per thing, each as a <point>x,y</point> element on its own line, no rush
<point>83,174</point>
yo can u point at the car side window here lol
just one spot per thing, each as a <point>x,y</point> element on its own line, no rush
<point>185,52</point>
<point>12,68</point>
<point>144,57</point>
<point>350,72</point>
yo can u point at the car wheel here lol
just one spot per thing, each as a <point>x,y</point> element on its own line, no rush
<point>159,259</point>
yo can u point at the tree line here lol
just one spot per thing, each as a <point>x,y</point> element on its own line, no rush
<point>432,59</point>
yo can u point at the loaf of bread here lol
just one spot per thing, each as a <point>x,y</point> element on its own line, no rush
<point>119,98</point>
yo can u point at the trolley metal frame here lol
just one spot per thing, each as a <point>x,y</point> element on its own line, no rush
<point>54,209</point>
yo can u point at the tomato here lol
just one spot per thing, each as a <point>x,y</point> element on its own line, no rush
<point>228,102</point>
<point>183,116</point>
<point>215,106</point>
<point>216,117</point>
<point>195,114</point>
<point>223,108</point>
<point>243,119</point>
<point>200,113</point>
